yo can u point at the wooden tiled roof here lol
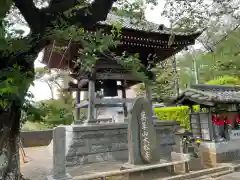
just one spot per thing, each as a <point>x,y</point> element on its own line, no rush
<point>146,26</point>
<point>153,44</point>
<point>209,95</point>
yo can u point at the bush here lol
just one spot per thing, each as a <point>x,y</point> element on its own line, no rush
<point>225,80</point>
<point>49,112</point>
<point>178,113</point>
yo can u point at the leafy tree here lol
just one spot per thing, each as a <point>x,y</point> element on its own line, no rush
<point>218,16</point>
<point>220,39</point>
<point>165,84</point>
<point>163,87</point>
<point>210,65</point>
<point>227,54</point>
<point>17,55</point>
<point>46,20</point>
<point>193,65</point>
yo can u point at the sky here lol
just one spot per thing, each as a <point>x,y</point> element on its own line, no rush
<point>41,91</point>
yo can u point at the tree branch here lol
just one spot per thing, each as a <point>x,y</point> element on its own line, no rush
<point>59,6</point>
<point>96,11</point>
<point>40,20</point>
<point>86,15</point>
<point>30,13</point>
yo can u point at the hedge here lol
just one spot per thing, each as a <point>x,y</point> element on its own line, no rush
<point>179,113</point>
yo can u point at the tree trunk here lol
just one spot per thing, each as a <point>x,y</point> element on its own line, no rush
<point>51,89</point>
<point>10,119</point>
<point>9,143</point>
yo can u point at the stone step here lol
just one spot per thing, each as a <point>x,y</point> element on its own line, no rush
<point>203,178</point>
<point>202,173</point>
<point>213,176</point>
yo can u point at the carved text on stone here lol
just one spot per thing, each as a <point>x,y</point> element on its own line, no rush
<point>145,136</point>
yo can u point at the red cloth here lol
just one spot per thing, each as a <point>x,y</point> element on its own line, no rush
<point>237,119</point>
<point>227,121</point>
<point>217,121</point>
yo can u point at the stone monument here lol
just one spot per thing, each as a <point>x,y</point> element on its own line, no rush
<point>142,143</point>
<point>143,147</point>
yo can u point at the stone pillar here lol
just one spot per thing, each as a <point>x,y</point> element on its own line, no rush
<point>59,152</point>
<point>217,131</point>
<point>180,151</point>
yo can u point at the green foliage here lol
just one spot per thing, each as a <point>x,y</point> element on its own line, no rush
<point>164,86</point>
<point>12,86</point>
<point>180,114</point>
<point>57,112</point>
<point>212,65</point>
<point>51,113</point>
<point>221,39</point>
<point>133,9</point>
<point>225,80</point>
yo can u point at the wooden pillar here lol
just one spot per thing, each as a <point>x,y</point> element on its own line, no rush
<point>124,104</point>
<point>78,110</point>
<point>149,94</point>
<point>91,100</point>
<point>190,116</point>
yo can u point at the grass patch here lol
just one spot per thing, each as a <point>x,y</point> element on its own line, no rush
<point>34,126</point>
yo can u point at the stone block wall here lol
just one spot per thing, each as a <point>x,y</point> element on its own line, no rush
<point>108,142</point>
<point>221,152</point>
<point>97,143</point>
<point>165,137</point>
<point>36,138</point>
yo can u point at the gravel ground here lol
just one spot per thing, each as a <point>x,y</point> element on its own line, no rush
<point>39,163</point>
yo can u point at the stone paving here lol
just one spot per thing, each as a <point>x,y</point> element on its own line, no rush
<point>39,166</point>
<point>232,176</point>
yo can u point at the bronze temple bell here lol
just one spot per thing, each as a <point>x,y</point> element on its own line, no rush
<point>110,88</point>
